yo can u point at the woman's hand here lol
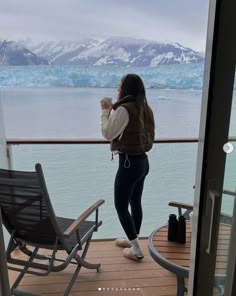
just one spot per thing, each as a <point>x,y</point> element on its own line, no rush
<point>106,104</point>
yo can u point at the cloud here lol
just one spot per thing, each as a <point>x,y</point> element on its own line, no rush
<point>183,21</point>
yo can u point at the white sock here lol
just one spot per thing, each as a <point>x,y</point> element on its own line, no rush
<point>135,247</point>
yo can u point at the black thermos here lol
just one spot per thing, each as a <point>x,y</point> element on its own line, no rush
<point>181,230</point>
<point>172,227</point>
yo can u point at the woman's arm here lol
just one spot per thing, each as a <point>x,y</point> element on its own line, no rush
<point>114,123</point>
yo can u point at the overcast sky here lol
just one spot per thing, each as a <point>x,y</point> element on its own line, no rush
<point>183,21</point>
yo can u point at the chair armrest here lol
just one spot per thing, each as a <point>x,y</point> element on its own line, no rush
<point>180,206</point>
<point>224,218</point>
<point>83,217</point>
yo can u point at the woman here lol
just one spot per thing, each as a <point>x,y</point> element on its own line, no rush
<point>129,125</point>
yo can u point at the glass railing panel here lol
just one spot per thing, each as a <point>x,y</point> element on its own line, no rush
<point>78,175</point>
<point>230,172</point>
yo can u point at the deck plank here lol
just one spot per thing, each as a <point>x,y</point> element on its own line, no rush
<point>118,276</point>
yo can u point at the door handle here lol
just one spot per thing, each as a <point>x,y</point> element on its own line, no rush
<point>215,199</point>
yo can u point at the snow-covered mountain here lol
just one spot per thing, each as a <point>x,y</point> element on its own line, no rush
<point>113,51</point>
<point>14,54</point>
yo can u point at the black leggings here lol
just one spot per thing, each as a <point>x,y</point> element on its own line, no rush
<point>128,189</point>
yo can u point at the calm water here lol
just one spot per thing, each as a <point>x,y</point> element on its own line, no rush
<point>78,175</point>
<point>75,112</point>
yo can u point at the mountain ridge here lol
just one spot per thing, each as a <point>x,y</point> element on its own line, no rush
<point>14,54</point>
<point>113,51</point>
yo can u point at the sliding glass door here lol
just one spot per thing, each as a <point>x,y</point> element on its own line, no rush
<point>213,236</point>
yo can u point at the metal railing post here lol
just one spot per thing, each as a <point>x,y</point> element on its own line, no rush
<point>9,156</point>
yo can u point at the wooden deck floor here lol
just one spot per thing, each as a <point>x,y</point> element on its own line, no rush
<point>118,276</point>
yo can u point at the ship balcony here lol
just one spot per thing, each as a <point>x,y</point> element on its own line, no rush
<point>87,167</point>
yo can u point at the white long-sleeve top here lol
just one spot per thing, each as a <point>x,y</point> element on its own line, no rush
<point>114,124</point>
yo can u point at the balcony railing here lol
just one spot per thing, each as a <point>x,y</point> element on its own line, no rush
<point>95,141</point>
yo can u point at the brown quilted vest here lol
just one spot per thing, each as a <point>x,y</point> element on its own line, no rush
<point>139,135</point>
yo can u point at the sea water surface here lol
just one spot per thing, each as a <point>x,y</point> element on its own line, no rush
<point>78,175</point>
<point>75,112</point>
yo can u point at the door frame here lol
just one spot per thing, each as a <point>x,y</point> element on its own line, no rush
<point>219,73</point>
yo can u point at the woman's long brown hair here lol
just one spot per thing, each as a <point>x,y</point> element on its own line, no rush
<point>132,85</point>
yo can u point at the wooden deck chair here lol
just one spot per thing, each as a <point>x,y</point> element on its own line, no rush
<point>185,210</point>
<point>29,217</point>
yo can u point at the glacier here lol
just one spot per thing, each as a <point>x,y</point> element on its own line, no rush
<point>175,76</point>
